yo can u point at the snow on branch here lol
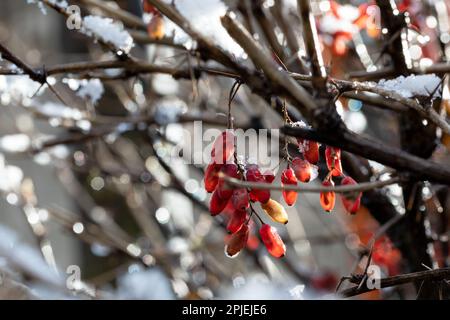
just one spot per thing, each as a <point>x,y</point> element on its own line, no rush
<point>108,31</point>
<point>413,85</point>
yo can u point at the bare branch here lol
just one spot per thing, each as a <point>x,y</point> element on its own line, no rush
<point>307,188</point>
<point>429,275</point>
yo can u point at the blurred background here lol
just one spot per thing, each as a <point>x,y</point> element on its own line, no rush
<point>126,220</point>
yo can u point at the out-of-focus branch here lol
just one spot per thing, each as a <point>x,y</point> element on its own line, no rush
<point>268,27</point>
<point>312,43</point>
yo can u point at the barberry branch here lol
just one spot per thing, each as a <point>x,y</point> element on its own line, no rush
<point>375,150</point>
<point>307,188</point>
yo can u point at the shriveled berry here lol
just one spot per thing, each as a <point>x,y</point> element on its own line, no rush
<point>272,240</point>
<point>237,242</point>
<point>288,178</point>
<point>327,199</point>
<point>236,221</point>
<point>351,200</point>
<point>276,211</point>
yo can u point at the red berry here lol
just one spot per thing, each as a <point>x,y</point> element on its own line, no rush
<point>269,176</point>
<point>211,176</point>
<point>230,170</point>
<point>288,178</point>
<point>148,8</point>
<point>240,199</point>
<point>339,45</point>
<point>223,147</point>
<point>302,169</point>
<point>272,241</point>
<point>311,151</point>
<point>156,27</point>
<point>254,175</point>
<point>217,204</point>
<point>333,159</point>
<point>326,281</point>
<point>237,242</point>
<point>236,221</point>
<point>351,200</point>
<point>327,199</point>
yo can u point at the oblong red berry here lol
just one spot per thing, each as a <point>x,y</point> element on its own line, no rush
<point>236,221</point>
<point>272,240</point>
<point>217,204</point>
<point>333,159</point>
<point>237,242</point>
<point>351,200</point>
<point>328,199</point>
<point>288,178</point>
<point>223,147</point>
<point>240,199</point>
<point>211,178</point>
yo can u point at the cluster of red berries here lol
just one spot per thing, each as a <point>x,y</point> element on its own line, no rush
<point>155,27</point>
<point>238,201</point>
<point>303,170</point>
<point>223,163</point>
